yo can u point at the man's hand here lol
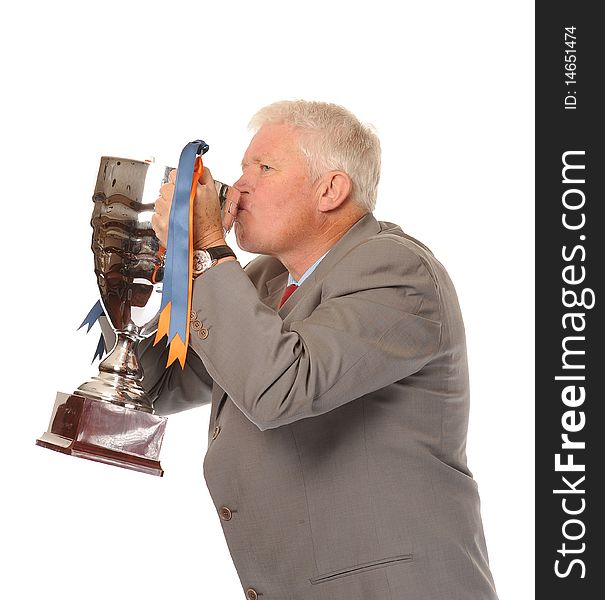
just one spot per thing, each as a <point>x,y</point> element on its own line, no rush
<point>208,229</point>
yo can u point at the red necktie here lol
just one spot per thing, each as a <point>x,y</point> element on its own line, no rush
<point>287,293</point>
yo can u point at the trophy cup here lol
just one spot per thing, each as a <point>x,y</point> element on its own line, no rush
<point>110,418</point>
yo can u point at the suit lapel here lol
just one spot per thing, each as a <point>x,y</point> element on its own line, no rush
<point>366,227</point>
<point>274,290</point>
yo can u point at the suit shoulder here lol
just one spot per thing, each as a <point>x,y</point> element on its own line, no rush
<point>391,245</point>
<point>391,231</point>
<point>388,256</point>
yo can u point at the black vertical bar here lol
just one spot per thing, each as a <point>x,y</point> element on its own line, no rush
<point>570,257</point>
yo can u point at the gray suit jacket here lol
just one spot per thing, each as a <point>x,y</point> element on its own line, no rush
<point>336,450</point>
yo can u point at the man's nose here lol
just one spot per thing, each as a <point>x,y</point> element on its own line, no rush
<point>240,184</point>
<point>243,184</point>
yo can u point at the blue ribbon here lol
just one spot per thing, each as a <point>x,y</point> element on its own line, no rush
<point>101,349</point>
<point>91,318</point>
<point>176,266</point>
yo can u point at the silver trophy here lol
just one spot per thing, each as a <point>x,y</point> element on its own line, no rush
<point>110,418</point>
<point>129,265</point>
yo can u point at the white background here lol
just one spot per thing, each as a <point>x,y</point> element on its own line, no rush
<point>449,87</point>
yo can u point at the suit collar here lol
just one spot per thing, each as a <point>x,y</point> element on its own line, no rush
<point>365,227</point>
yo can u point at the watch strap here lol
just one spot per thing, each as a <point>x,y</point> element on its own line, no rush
<point>218,252</point>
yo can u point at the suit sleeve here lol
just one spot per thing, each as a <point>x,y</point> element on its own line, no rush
<point>378,322</point>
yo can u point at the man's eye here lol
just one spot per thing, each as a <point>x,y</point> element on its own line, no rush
<point>265,168</point>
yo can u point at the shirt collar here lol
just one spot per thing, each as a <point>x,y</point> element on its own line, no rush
<point>306,274</point>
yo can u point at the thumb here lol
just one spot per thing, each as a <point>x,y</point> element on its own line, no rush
<point>206,178</point>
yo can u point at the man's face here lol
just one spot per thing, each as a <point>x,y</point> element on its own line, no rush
<point>277,207</point>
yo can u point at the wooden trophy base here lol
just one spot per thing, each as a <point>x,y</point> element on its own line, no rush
<point>105,432</point>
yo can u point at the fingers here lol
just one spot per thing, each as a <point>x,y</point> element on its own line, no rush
<point>167,192</point>
<point>161,216</point>
<point>162,205</point>
<point>231,202</point>
<point>172,176</point>
<point>206,195</point>
<point>206,178</point>
<point>231,208</point>
<point>160,226</point>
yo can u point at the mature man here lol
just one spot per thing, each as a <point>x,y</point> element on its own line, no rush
<point>336,451</point>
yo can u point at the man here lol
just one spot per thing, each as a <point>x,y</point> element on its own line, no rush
<point>336,451</point>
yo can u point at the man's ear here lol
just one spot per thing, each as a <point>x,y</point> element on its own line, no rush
<point>333,189</point>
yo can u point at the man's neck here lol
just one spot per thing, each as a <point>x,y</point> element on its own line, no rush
<point>301,258</point>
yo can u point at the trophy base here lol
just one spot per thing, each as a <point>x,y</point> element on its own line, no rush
<point>105,432</point>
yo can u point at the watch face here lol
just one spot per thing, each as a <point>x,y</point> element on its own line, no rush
<point>201,261</point>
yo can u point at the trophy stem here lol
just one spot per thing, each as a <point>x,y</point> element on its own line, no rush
<point>120,376</point>
<point>122,360</point>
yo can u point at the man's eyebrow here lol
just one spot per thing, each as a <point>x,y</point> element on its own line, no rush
<point>247,162</point>
<point>256,160</point>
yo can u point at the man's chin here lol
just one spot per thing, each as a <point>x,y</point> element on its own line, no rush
<point>243,240</point>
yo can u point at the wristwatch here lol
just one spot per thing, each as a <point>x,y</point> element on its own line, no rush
<point>204,259</point>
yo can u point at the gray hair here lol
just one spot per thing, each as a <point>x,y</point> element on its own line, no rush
<point>332,138</point>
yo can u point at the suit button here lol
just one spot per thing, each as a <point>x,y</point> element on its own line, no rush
<point>193,315</point>
<point>196,325</point>
<point>203,333</point>
<point>251,594</point>
<point>216,431</point>
<point>225,513</point>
